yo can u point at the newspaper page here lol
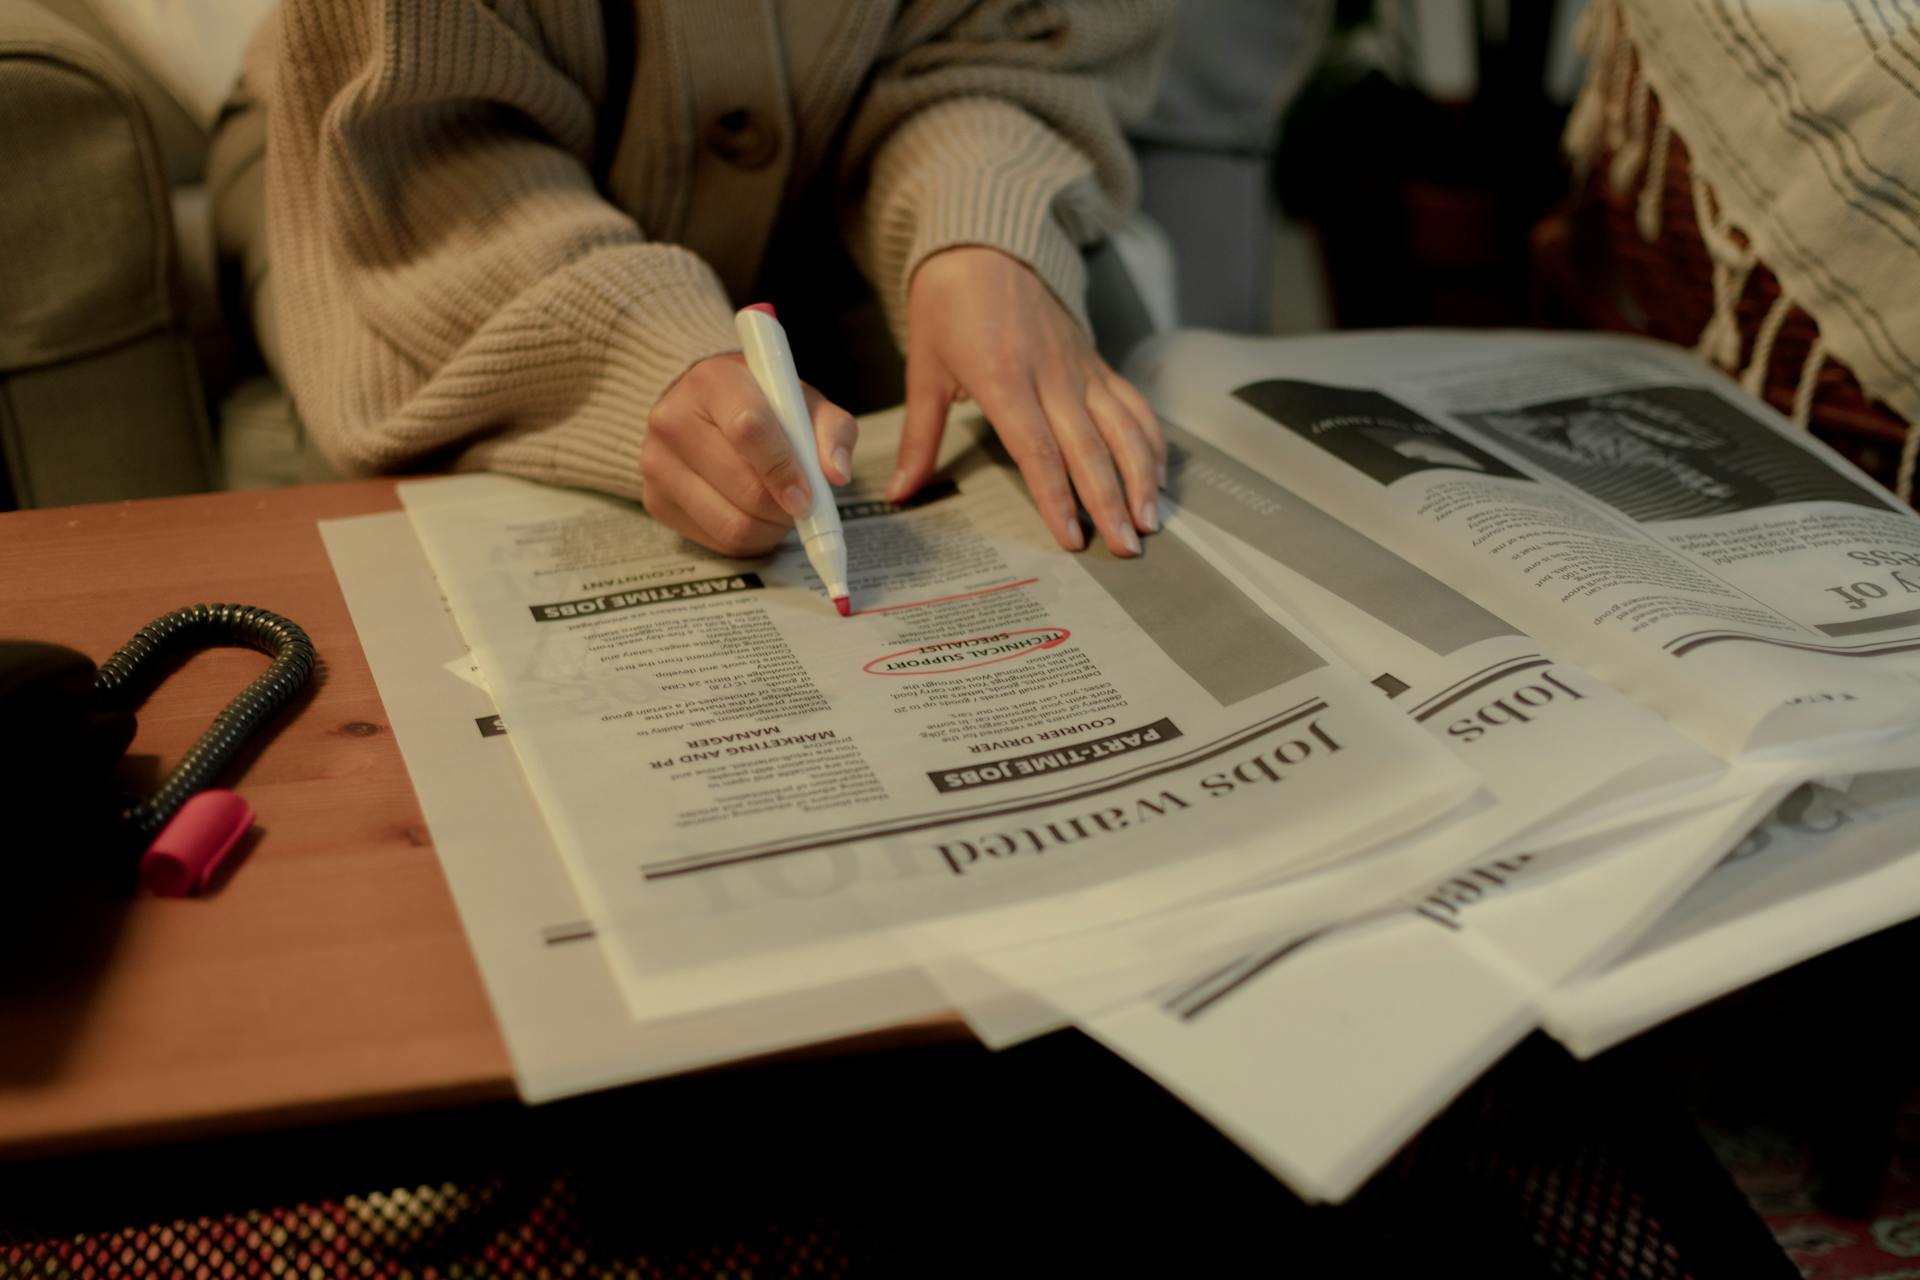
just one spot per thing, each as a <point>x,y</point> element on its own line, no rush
<point>1010,994</point>
<point>1836,860</point>
<point>751,792</point>
<point>1321,1056</point>
<point>1617,499</point>
<point>565,1023</point>
<point>1547,739</point>
<point>1556,750</point>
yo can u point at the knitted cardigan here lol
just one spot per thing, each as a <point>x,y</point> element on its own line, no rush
<point>501,229</point>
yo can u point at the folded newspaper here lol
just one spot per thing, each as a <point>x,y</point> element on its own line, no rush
<point>1638,514</point>
<point>1444,708</point>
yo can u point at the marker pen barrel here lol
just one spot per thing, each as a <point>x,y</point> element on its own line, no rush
<point>770,358</point>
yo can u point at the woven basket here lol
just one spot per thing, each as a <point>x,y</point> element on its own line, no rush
<point>1597,267</point>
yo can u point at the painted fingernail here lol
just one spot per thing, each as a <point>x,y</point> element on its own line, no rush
<point>843,462</point>
<point>1150,516</point>
<point>794,499</point>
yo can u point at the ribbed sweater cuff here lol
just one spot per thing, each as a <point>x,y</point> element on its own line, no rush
<point>642,315</point>
<point>974,171</point>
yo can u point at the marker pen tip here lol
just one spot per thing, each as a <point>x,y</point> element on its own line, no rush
<point>844,605</point>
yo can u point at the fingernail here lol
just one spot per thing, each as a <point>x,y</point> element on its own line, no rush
<point>1150,515</point>
<point>1076,539</point>
<point>843,462</point>
<point>794,499</point>
<point>1129,541</point>
<point>897,487</point>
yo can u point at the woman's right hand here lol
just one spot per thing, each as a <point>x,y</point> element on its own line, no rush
<point>717,468</point>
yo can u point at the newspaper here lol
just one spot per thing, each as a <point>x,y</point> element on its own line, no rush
<point>1322,1056</point>
<point>1461,660</point>
<point>1838,859</point>
<point>1009,994</point>
<point>1616,499</point>
<point>1626,507</point>
<point>1558,752</point>
<point>1547,738</point>
<point>752,794</point>
<point>566,1026</point>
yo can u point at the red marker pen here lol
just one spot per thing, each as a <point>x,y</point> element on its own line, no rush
<point>771,359</point>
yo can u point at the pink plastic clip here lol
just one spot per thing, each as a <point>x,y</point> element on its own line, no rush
<point>191,847</point>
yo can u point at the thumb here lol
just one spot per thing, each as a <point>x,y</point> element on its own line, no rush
<point>929,393</point>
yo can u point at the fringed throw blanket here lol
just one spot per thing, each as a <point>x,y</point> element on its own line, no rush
<point>1795,127</point>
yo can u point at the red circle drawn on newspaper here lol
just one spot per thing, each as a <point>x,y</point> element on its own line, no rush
<point>1059,636</point>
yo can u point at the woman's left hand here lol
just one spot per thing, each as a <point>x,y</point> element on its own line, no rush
<point>982,326</point>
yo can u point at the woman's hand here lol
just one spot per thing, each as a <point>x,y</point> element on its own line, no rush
<point>717,468</point>
<point>981,325</point>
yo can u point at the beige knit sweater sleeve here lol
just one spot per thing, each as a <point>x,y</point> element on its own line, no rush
<point>998,123</point>
<point>451,285</point>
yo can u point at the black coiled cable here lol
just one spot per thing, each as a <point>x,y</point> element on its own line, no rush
<point>203,626</point>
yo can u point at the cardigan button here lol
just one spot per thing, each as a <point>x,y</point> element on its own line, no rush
<point>739,138</point>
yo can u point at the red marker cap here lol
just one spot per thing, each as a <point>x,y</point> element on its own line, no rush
<point>193,844</point>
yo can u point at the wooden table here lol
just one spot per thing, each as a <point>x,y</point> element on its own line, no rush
<point>328,976</point>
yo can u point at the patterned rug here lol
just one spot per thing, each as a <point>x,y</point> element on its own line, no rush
<point>1776,1174</point>
<point>722,1176</point>
<point>499,1229</point>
